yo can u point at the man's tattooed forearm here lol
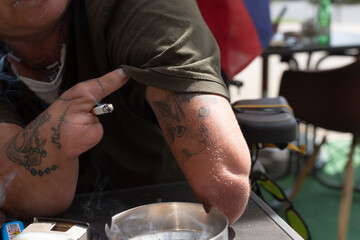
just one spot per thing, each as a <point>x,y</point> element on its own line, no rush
<point>56,130</point>
<point>27,149</point>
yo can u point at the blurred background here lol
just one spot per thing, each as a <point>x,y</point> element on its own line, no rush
<point>317,203</point>
<point>345,18</point>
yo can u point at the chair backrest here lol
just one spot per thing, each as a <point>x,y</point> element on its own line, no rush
<point>328,98</point>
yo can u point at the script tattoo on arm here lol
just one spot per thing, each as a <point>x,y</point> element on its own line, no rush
<point>28,150</point>
<point>178,125</point>
<point>56,130</point>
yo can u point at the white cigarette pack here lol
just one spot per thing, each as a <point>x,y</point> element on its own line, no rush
<point>55,229</point>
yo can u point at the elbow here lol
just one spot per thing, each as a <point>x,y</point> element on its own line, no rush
<point>226,188</point>
<point>229,195</point>
<point>238,199</point>
<point>232,190</point>
<point>234,198</point>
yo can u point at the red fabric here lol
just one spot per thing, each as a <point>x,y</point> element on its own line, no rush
<point>235,32</point>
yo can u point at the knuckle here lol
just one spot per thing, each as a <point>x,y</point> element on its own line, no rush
<point>82,87</point>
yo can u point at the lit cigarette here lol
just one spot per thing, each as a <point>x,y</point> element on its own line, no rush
<point>103,109</point>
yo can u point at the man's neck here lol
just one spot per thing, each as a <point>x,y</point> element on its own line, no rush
<point>33,49</point>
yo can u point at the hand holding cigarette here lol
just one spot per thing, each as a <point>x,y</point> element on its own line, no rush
<point>80,107</point>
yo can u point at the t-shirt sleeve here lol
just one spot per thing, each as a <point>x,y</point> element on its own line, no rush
<point>18,104</point>
<point>166,44</point>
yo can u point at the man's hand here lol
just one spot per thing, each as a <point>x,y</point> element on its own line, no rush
<point>40,162</point>
<point>80,129</point>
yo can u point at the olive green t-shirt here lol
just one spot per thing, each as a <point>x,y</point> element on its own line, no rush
<point>160,43</point>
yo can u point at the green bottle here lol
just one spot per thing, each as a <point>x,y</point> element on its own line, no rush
<point>324,20</point>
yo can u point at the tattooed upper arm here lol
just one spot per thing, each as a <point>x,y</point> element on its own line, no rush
<point>183,119</point>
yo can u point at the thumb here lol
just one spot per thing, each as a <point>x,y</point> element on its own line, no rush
<point>108,83</point>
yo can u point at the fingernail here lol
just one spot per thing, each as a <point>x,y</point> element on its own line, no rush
<point>122,73</point>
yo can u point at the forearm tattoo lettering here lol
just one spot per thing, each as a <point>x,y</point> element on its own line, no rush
<point>56,130</point>
<point>178,126</point>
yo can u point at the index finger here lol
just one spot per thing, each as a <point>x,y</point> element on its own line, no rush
<point>108,83</point>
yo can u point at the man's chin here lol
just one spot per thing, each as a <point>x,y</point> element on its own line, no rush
<point>27,3</point>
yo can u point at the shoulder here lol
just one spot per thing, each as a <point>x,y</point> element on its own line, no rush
<point>102,13</point>
<point>162,43</point>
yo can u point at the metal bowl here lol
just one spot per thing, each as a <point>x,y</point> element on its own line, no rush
<point>171,220</point>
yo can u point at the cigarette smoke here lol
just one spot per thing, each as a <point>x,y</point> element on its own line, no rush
<point>4,76</point>
<point>4,182</point>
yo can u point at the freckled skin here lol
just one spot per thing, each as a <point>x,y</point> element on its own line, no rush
<point>207,142</point>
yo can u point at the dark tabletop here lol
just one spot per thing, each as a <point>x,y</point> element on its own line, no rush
<point>258,221</point>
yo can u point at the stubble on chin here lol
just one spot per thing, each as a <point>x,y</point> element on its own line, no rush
<point>28,3</point>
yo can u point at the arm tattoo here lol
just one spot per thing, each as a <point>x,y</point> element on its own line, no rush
<point>174,113</point>
<point>203,143</point>
<point>166,110</point>
<point>177,131</point>
<point>204,111</point>
<point>56,130</point>
<point>30,151</point>
<point>178,126</point>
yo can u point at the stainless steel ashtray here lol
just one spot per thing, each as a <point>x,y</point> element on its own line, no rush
<point>165,221</point>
